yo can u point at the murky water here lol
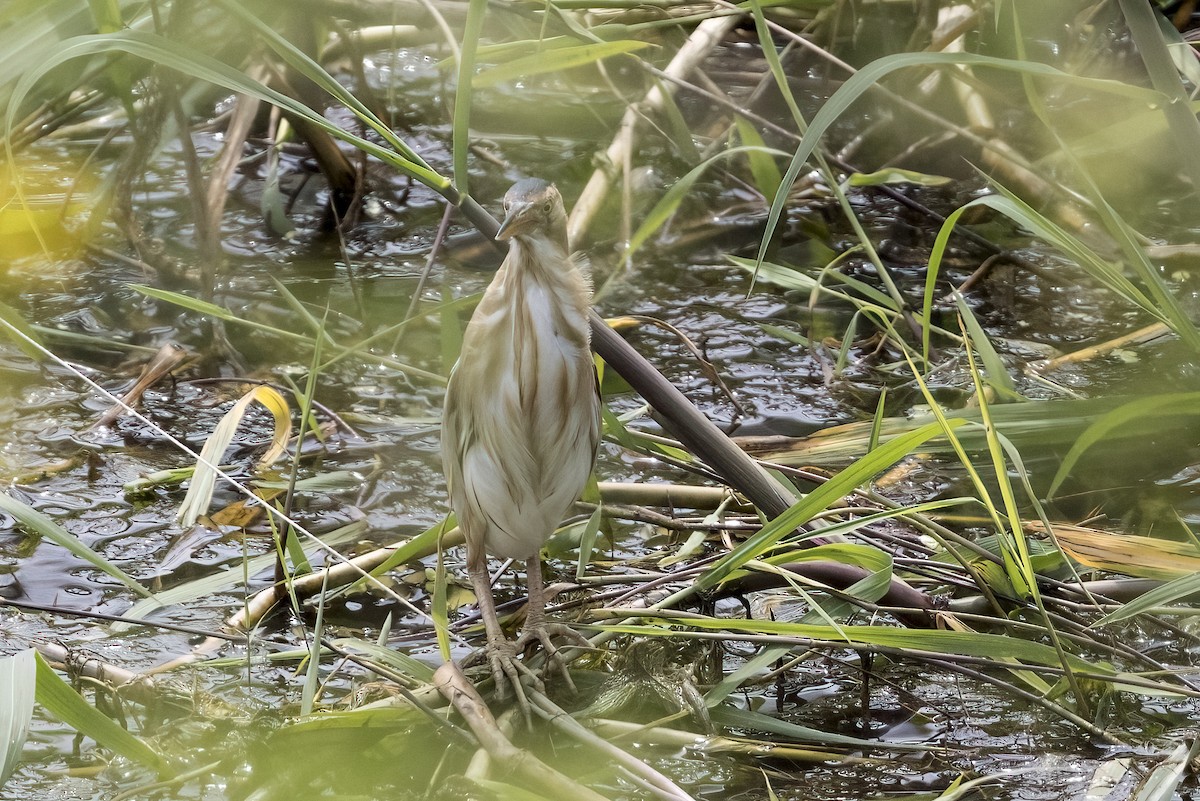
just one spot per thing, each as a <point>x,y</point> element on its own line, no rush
<point>366,282</point>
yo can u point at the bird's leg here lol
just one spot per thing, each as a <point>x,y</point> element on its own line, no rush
<point>500,651</point>
<point>538,629</point>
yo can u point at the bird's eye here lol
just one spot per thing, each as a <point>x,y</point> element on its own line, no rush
<point>547,206</point>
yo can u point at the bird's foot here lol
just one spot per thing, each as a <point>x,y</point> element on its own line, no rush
<point>510,674</point>
<point>542,633</point>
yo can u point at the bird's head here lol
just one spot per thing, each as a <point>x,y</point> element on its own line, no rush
<point>533,208</point>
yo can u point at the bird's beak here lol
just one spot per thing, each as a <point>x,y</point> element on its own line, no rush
<point>516,222</point>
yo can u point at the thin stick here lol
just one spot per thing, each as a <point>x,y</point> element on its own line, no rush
<point>505,756</point>
<point>655,781</point>
<point>706,36</point>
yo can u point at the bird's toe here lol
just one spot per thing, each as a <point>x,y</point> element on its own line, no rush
<point>544,634</point>
<point>511,675</point>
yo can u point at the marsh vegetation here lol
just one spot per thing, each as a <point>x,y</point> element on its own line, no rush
<point>897,491</point>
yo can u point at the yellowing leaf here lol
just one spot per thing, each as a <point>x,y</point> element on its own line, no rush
<point>1144,557</point>
<point>894,175</point>
<point>199,493</point>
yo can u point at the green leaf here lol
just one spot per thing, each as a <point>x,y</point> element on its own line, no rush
<point>423,544</point>
<point>367,718</point>
<point>792,278</point>
<point>390,657</point>
<point>464,94</point>
<point>21,332</point>
<point>18,682</point>
<point>179,56</point>
<point>995,370</point>
<point>44,527</point>
<point>746,670</point>
<point>867,557</point>
<point>587,542</point>
<point>662,211</point>
<point>1179,404</point>
<point>675,126</point>
<point>227,579</point>
<point>820,499</point>
<point>341,352</point>
<point>556,60</point>
<point>312,675</point>
<point>1000,647</point>
<point>439,606</point>
<point>1169,593</point>
<point>302,63</point>
<point>762,167</point>
<point>869,76</point>
<point>735,718</point>
<point>786,334</point>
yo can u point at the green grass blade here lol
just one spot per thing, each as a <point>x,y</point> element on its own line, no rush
<point>820,499</point>
<point>1000,647</point>
<point>995,370</point>
<point>587,542</point>
<point>878,418</point>
<point>46,528</point>
<point>1169,593</point>
<point>866,79</point>
<point>895,175</point>
<point>748,669</point>
<point>557,60</point>
<point>18,683</point>
<point>1146,28</point>
<point>179,56</point>
<point>341,351</point>
<point>228,579</point>
<point>1175,404</point>
<point>735,718</point>
<point>300,61</point>
<point>1160,304</point>
<point>775,64</point>
<point>439,604</point>
<point>312,672</point>
<point>763,169</point>
<point>10,318</point>
<point>423,544</point>
<point>1015,550</point>
<point>398,660</point>
<point>60,700</point>
<point>666,206</point>
<point>464,95</point>
<point>791,278</point>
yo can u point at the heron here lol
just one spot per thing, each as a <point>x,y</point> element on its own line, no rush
<point>521,421</point>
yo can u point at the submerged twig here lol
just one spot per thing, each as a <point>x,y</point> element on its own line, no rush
<point>505,756</point>
<point>717,744</point>
<point>1138,337</point>
<point>655,781</point>
<point>169,357</point>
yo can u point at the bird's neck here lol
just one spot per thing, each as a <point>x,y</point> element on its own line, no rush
<point>543,259</point>
<point>545,263</point>
<point>557,233</point>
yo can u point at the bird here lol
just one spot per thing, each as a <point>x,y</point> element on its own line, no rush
<point>521,422</point>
